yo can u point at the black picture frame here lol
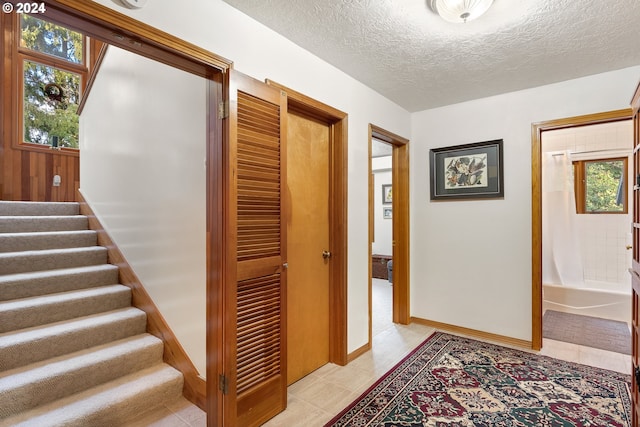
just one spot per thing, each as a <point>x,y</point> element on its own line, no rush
<point>469,171</point>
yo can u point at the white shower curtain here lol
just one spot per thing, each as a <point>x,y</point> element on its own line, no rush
<point>561,256</point>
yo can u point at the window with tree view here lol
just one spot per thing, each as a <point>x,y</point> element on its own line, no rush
<point>52,74</point>
<point>600,185</point>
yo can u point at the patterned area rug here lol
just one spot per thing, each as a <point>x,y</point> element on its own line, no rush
<point>454,381</point>
<point>589,331</point>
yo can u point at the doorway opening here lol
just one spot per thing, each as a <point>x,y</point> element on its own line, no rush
<point>111,27</point>
<point>381,199</point>
<point>389,201</point>
<point>555,149</point>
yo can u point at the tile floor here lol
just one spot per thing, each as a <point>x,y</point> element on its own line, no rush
<point>179,414</point>
<point>319,396</point>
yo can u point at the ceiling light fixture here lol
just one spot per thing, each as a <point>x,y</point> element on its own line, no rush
<point>460,11</point>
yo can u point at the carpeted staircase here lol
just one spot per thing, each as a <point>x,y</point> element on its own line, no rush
<point>73,351</point>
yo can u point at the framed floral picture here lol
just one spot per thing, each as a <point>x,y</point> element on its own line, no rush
<point>467,171</point>
<point>387,195</point>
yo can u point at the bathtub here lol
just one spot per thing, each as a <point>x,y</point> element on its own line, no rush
<point>591,300</point>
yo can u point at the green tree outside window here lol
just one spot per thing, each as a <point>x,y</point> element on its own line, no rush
<point>47,37</point>
<point>45,116</point>
<point>51,94</point>
<point>604,186</point>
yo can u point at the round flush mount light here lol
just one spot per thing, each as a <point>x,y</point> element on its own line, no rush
<point>460,11</point>
<point>133,4</point>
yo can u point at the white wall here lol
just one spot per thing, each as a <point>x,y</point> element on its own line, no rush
<point>261,53</point>
<point>383,234</point>
<point>471,260</point>
<point>603,238</point>
<point>142,153</point>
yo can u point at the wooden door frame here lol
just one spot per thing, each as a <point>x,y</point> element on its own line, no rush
<point>104,23</point>
<point>127,33</point>
<point>337,122</point>
<point>400,218</point>
<point>536,203</point>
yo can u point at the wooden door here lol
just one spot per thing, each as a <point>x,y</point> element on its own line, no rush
<point>254,341</point>
<point>635,273</point>
<point>308,245</point>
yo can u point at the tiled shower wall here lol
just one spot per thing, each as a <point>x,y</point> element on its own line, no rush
<point>603,237</point>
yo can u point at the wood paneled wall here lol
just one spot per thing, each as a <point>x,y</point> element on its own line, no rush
<point>27,173</point>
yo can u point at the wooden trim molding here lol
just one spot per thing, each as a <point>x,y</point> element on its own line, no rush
<point>635,100</point>
<point>194,385</point>
<point>337,121</point>
<point>486,336</point>
<point>359,352</point>
<point>635,278</point>
<point>93,73</point>
<point>536,204</point>
<point>401,267</point>
<point>217,90</point>
<point>117,29</point>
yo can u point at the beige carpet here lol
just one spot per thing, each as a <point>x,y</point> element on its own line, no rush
<point>589,331</point>
<point>73,351</point>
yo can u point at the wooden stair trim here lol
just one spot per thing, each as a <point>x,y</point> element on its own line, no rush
<point>93,73</point>
<point>195,387</point>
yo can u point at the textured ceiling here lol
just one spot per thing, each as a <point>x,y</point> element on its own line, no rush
<point>410,55</point>
<point>380,149</point>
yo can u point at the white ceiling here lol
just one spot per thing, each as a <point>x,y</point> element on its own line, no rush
<point>410,55</point>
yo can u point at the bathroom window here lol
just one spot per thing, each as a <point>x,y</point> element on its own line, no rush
<point>600,186</point>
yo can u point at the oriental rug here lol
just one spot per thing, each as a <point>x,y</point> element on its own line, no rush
<point>589,331</point>
<point>455,381</point>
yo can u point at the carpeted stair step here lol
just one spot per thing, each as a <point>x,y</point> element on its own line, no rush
<point>15,242</point>
<point>24,285</point>
<point>111,404</point>
<point>41,310</point>
<point>32,345</point>
<point>51,259</point>
<point>38,208</point>
<point>20,224</point>
<point>73,351</point>
<point>27,387</point>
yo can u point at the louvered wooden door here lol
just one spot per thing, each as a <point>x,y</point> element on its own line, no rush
<point>255,355</point>
<point>635,271</point>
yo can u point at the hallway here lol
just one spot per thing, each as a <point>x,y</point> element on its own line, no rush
<point>321,395</point>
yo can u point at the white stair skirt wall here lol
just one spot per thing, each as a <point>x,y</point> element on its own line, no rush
<point>73,351</point>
